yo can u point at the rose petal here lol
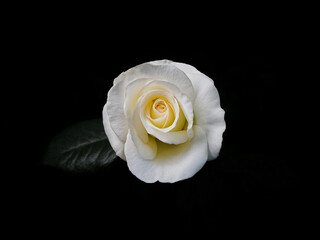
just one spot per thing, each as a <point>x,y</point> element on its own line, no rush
<point>133,92</point>
<point>147,150</point>
<point>115,142</point>
<point>145,144</point>
<point>172,162</point>
<point>196,77</point>
<point>177,137</point>
<point>115,110</point>
<point>211,121</point>
<point>207,97</point>
<point>162,70</point>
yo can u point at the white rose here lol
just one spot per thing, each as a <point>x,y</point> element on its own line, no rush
<point>164,118</point>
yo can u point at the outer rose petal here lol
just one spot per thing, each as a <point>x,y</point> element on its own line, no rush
<point>160,70</point>
<point>116,143</point>
<point>208,113</point>
<point>115,109</point>
<point>172,163</point>
<point>211,121</point>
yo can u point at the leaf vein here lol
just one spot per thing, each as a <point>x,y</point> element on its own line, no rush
<point>83,145</point>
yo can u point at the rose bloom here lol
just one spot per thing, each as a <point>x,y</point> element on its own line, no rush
<point>164,118</point>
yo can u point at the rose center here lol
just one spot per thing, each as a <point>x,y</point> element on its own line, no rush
<point>160,112</point>
<point>161,107</point>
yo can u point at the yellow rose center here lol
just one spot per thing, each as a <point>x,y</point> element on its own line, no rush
<point>161,107</point>
<point>160,112</point>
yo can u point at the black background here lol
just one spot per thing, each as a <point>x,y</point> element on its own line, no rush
<point>255,183</point>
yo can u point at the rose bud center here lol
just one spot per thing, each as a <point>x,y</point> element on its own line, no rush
<point>161,107</point>
<point>161,113</point>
